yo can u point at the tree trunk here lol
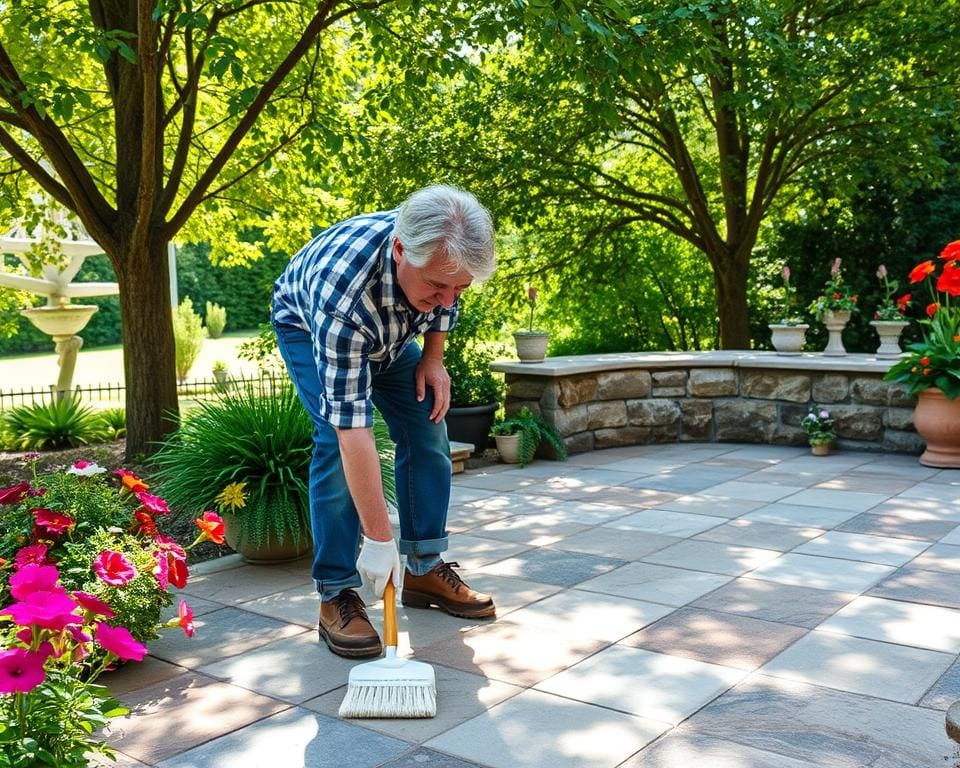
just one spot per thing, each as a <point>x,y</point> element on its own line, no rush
<point>730,279</point>
<point>149,360</point>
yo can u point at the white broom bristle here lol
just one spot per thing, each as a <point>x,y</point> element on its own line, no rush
<point>390,687</point>
<point>395,698</point>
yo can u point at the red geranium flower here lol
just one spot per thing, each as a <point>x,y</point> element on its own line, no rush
<point>951,250</point>
<point>143,523</point>
<point>949,280</point>
<point>35,554</point>
<point>919,272</point>
<point>932,308</point>
<point>14,494</point>
<point>52,522</point>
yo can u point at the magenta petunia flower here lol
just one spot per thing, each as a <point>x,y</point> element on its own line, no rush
<point>114,568</point>
<point>93,604</point>
<point>162,569</point>
<point>35,554</point>
<point>119,642</point>
<point>152,503</point>
<point>49,610</point>
<point>35,578</point>
<point>52,522</point>
<point>21,670</point>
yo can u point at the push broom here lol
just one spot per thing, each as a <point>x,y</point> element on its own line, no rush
<point>390,687</point>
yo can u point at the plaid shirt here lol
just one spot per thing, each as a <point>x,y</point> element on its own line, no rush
<point>341,288</point>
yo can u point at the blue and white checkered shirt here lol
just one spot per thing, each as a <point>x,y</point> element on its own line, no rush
<point>341,289</point>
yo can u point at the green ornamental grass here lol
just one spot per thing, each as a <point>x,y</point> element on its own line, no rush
<point>263,441</point>
<point>63,423</point>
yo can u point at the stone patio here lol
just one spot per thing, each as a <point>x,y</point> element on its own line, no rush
<point>717,605</point>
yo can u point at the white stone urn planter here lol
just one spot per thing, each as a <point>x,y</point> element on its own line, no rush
<point>889,332</point>
<point>835,321</point>
<point>788,339</point>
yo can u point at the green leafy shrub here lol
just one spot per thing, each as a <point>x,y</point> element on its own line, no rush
<point>63,423</point>
<point>114,421</point>
<point>216,320</point>
<point>249,454</point>
<point>532,431</point>
<point>467,361</point>
<point>188,335</point>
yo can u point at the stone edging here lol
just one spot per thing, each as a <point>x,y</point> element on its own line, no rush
<point>600,401</point>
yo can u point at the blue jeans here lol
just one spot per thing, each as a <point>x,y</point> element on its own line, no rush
<point>422,467</point>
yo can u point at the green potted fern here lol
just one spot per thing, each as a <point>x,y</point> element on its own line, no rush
<point>519,436</point>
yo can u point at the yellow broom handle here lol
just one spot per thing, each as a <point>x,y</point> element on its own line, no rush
<point>390,615</point>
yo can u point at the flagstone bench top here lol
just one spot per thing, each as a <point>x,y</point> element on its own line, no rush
<point>557,367</point>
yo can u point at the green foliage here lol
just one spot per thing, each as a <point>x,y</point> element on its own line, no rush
<point>188,334</point>
<point>467,359</point>
<point>58,719</point>
<point>262,350</point>
<point>819,426</point>
<point>63,423</point>
<point>533,430</point>
<point>263,441</point>
<point>216,320</point>
<point>114,421</point>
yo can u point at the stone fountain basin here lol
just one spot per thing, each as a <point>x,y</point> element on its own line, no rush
<point>60,321</point>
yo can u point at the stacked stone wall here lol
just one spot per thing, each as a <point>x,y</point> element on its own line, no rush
<point>607,408</point>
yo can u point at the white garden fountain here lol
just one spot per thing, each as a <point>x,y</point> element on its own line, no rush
<point>59,319</point>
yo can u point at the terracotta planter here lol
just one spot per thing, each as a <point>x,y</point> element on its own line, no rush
<point>508,446</point>
<point>788,339</point>
<point>937,421</point>
<point>889,332</point>
<point>531,345</point>
<point>835,322</point>
<point>821,449</point>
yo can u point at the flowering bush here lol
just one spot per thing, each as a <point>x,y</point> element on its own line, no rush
<point>818,424</point>
<point>935,361</point>
<point>890,309</point>
<point>84,578</point>
<point>836,296</point>
<point>789,314</point>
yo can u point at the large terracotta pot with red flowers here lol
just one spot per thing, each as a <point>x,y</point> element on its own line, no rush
<point>937,421</point>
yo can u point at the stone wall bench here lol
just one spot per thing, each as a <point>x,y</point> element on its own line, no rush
<point>602,401</point>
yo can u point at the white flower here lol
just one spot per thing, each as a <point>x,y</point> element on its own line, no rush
<point>85,468</point>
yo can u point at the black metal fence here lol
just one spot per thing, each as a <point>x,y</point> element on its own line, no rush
<point>195,389</point>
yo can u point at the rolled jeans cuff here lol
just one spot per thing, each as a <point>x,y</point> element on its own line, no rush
<point>423,548</point>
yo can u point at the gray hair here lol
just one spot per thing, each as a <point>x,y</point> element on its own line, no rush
<point>446,221</point>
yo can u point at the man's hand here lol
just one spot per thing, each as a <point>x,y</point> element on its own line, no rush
<point>378,563</point>
<point>431,373</point>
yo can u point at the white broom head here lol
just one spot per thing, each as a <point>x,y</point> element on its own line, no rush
<point>390,687</point>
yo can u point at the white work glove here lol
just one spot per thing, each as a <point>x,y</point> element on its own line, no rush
<point>378,562</point>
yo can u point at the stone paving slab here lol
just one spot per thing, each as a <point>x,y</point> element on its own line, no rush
<point>535,729</point>
<point>616,645</point>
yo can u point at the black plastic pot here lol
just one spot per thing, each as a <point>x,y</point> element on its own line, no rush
<point>472,424</point>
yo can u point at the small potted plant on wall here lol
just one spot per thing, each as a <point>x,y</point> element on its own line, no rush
<point>888,319</point>
<point>531,343</point>
<point>519,436</point>
<point>788,333</point>
<point>821,433</point>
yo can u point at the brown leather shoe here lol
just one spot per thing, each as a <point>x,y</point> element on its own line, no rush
<point>443,588</point>
<point>345,627</point>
